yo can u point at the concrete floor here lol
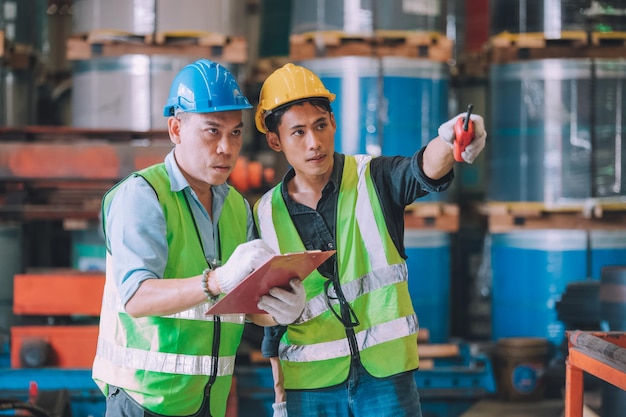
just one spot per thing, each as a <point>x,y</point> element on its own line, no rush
<point>543,408</point>
<point>488,408</point>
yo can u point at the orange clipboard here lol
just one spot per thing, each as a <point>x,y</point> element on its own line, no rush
<point>275,272</point>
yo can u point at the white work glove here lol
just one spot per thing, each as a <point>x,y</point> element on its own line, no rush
<point>446,133</point>
<point>246,258</point>
<point>284,306</point>
<point>280,409</point>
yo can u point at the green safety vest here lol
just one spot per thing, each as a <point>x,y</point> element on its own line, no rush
<point>315,352</point>
<point>165,362</point>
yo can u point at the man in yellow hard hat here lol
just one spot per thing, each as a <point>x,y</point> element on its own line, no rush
<point>353,350</point>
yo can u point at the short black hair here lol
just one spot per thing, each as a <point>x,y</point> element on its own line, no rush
<point>272,120</point>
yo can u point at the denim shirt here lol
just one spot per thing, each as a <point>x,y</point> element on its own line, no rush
<point>398,180</point>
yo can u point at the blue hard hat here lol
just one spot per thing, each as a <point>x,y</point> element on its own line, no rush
<point>204,87</point>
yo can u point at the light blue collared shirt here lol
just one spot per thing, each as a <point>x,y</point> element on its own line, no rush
<point>136,229</point>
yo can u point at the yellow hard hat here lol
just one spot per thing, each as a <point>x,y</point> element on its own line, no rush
<point>286,84</point>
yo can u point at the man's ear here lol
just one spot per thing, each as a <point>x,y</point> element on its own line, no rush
<point>273,141</point>
<point>173,127</point>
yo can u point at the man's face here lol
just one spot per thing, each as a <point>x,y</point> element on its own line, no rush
<point>207,144</point>
<point>306,135</point>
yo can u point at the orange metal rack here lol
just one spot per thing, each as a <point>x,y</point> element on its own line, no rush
<point>601,354</point>
<point>49,172</point>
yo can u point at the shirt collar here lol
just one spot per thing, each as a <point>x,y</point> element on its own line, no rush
<point>177,179</point>
<point>178,182</point>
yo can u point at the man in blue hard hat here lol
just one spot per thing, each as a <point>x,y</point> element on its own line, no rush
<point>177,237</point>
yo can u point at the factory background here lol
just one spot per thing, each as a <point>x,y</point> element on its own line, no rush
<point>528,244</point>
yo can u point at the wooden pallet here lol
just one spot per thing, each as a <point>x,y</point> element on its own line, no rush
<point>511,216</point>
<point>159,38</point>
<point>426,45</point>
<point>265,66</point>
<point>472,65</point>
<point>507,47</point>
<point>16,56</point>
<point>185,37</point>
<point>206,45</point>
<point>432,216</point>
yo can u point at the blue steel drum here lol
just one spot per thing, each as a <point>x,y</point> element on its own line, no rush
<point>531,270</point>
<point>609,248</point>
<point>428,264</point>
<point>385,106</point>
<point>556,130</point>
<point>613,297</point>
<point>388,106</point>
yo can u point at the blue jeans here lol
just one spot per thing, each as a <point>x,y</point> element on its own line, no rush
<point>361,395</point>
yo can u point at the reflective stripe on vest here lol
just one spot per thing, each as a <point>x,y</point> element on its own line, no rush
<point>164,362</point>
<point>315,352</point>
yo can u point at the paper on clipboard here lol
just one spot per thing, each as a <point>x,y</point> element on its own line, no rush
<point>275,272</point>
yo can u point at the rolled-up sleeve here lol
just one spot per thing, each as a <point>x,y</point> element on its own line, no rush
<point>401,180</point>
<point>428,184</point>
<point>136,234</point>
<point>271,340</point>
